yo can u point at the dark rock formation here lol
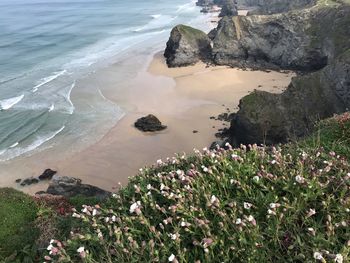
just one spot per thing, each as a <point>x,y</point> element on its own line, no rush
<point>29,181</point>
<point>69,187</point>
<point>229,8</point>
<point>47,174</point>
<point>186,46</point>
<point>149,123</point>
<point>302,40</point>
<point>273,118</point>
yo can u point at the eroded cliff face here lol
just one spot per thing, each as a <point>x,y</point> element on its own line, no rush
<point>302,40</point>
<point>273,118</point>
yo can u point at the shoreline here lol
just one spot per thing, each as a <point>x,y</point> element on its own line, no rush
<point>184,99</point>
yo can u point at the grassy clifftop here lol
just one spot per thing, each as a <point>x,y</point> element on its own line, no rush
<point>252,204</point>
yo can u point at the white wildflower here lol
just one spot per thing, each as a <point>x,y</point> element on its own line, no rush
<point>338,258</point>
<point>81,249</point>
<point>318,256</point>
<point>171,258</point>
<point>213,199</point>
<point>300,179</point>
<point>256,178</point>
<point>94,212</point>
<point>311,212</point>
<point>49,247</point>
<point>247,205</point>
<point>135,206</point>
<point>274,205</point>
<point>205,169</point>
<point>238,221</point>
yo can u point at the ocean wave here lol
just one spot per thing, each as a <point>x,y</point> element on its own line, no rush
<point>107,48</point>
<point>48,79</point>
<point>9,103</point>
<point>15,151</point>
<point>161,21</point>
<point>186,7</point>
<point>23,125</point>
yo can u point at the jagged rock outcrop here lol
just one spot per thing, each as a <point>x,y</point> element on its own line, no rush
<point>273,118</point>
<point>187,46</point>
<point>302,40</point>
<point>69,187</point>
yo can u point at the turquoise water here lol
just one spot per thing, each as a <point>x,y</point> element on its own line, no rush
<point>47,46</point>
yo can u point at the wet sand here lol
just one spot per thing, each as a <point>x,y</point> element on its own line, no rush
<point>184,99</point>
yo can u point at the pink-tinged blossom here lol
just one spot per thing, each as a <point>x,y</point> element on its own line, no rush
<point>135,207</point>
<point>311,212</point>
<point>81,251</point>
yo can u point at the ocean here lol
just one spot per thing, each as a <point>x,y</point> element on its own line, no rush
<point>47,46</point>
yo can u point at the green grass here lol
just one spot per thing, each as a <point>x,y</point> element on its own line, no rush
<point>332,134</point>
<point>17,215</point>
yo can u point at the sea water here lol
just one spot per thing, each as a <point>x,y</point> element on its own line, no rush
<point>46,46</point>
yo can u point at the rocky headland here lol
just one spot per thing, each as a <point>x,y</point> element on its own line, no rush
<point>310,37</point>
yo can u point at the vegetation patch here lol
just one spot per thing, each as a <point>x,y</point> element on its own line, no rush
<point>283,204</point>
<point>17,231</point>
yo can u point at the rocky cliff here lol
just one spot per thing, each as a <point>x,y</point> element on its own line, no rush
<point>314,41</point>
<point>303,40</point>
<point>273,118</point>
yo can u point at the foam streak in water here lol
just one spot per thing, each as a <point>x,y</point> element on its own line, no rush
<point>9,103</point>
<point>46,80</point>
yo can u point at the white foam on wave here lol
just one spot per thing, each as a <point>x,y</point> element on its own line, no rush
<point>14,145</point>
<point>48,79</point>
<point>12,152</point>
<point>52,107</point>
<point>9,103</point>
<point>156,16</point>
<point>71,108</point>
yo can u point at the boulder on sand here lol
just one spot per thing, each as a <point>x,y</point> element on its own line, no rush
<point>150,123</point>
<point>47,174</point>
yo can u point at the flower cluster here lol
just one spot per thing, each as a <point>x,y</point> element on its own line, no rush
<point>257,203</point>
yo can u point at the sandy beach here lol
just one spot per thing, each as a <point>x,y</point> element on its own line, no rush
<point>184,99</point>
